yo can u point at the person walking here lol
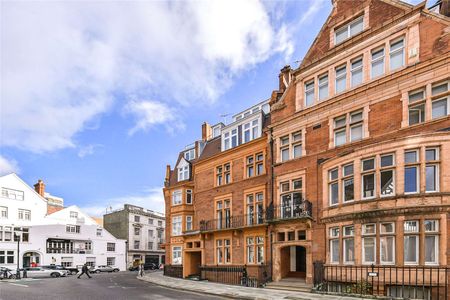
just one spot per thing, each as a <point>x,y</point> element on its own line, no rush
<point>84,270</point>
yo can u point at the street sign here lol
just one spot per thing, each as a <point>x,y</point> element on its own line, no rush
<point>372,274</point>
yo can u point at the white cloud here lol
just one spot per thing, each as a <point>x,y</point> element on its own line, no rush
<point>313,8</point>
<point>151,198</point>
<point>152,113</point>
<point>8,166</point>
<point>88,150</point>
<point>64,63</point>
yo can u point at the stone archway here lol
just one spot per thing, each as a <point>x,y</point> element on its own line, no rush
<point>292,260</point>
<point>31,259</point>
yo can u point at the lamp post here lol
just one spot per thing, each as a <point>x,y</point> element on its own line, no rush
<point>17,231</point>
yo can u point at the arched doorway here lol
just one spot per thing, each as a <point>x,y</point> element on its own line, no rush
<point>293,262</point>
<point>31,259</point>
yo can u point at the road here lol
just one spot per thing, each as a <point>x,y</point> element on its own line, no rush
<point>114,286</point>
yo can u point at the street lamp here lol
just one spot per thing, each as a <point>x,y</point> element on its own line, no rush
<point>17,231</point>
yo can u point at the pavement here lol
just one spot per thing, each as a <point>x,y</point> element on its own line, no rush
<point>110,286</point>
<point>232,291</point>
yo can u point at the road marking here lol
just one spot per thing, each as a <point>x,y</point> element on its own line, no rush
<point>18,284</point>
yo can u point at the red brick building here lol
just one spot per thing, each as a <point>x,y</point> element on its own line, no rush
<point>355,169</point>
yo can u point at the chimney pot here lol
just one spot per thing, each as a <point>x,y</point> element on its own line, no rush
<point>206,131</point>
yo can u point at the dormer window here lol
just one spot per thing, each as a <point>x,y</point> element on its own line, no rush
<point>216,132</point>
<point>190,154</point>
<point>183,173</point>
<point>347,31</point>
<point>251,131</point>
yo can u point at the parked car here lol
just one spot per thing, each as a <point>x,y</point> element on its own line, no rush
<point>99,269</point>
<point>149,266</point>
<point>70,270</point>
<point>43,272</point>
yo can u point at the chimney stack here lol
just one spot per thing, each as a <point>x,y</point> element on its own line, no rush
<point>285,78</point>
<point>39,187</point>
<point>166,180</point>
<point>206,131</point>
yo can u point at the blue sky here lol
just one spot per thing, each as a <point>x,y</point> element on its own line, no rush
<point>96,98</point>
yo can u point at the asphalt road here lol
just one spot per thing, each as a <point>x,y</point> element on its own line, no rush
<point>123,285</point>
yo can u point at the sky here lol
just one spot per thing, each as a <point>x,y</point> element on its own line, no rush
<point>98,97</point>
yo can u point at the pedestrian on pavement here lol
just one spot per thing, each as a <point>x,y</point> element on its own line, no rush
<point>141,270</point>
<point>84,270</point>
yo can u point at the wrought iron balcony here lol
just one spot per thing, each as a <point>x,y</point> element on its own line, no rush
<point>233,222</point>
<point>300,210</point>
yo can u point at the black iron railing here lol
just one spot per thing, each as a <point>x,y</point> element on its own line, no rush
<point>251,276</point>
<point>292,211</point>
<point>406,282</point>
<point>232,222</point>
<point>173,271</point>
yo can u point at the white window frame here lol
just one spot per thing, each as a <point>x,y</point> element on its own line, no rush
<point>175,195</point>
<point>189,154</point>
<point>353,70</point>
<point>191,194</point>
<point>176,249</point>
<point>393,52</point>
<point>308,91</point>
<point>373,237</point>
<point>376,60</point>
<point>324,84</point>
<point>342,76</point>
<point>348,27</point>
<point>177,225</point>
<point>189,221</point>
<point>183,173</point>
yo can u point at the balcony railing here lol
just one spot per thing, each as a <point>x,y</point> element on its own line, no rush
<point>233,222</point>
<point>286,212</point>
<point>271,214</point>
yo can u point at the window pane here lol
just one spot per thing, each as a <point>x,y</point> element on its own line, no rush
<point>431,154</point>
<point>368,185</point>
<point>334,193</point>
<point>431,225</point>
<point>339,122</point>
<point>348,170</point>
<point>417,114</point>
<point>387,183</point>
<point>341,35</point>
<point>285,154</point>
<point>297,151</point>
<point>410,250</point>
<point>387,249</point>
<point>349,189</point>
<point>387,228</point>
<point>387,160</point>
<point>369,249</point>
<point>416,96</point>
<point>431,172</point>
<point>356,27</point>
<point>368,164</point>
<point>439,108</point>
<point>441,88</point>
<point>357,77</point>
<point>410,157</point>
<point>339,138</point>
<point>333,174</point>
<point>356,133</point>
<point>430,249</point>
<point>334,245</point>
<point>349,255</point>
<point>411,180</point>
<point>323,87</point>
<point>396,60</point>
<point>341,79</point>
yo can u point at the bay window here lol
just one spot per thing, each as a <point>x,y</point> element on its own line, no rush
<point>176,197</point>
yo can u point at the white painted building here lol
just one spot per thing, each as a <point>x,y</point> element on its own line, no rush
<point>68,237</point>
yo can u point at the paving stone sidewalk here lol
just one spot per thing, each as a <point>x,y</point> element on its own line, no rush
<point>234,292</point>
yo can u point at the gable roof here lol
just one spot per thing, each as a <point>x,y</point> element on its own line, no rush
<point>62,215</point>
<point>17,178</point>
<point>344,11</point>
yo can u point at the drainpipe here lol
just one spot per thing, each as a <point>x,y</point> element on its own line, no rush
<point>272,178</point>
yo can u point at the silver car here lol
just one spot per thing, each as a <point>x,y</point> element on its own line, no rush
<point>43,272</point>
